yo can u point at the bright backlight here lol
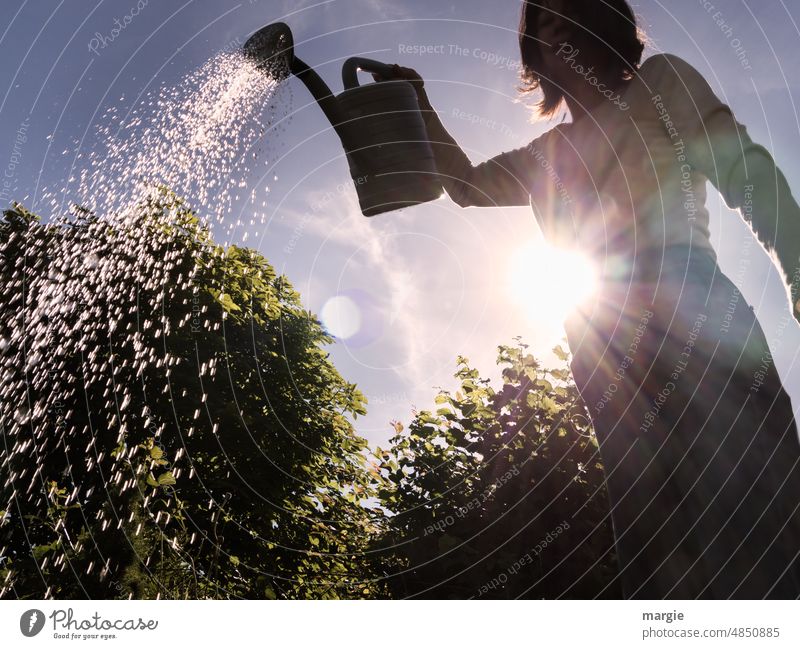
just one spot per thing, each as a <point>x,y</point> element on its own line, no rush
<point>549,282</point>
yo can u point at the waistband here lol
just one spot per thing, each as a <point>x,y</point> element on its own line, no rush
<point>674,262</point>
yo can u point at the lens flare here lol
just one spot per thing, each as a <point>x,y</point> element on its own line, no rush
<point>341,317</point>
<point>550,282</point>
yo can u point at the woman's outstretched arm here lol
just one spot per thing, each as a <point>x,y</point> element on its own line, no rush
<point>743,171</point>
<point>502,181</point>
<point>776,214</point>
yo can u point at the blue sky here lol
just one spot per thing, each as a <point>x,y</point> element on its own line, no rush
<point>431,282</point>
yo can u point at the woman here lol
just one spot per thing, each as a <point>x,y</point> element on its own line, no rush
<point>696,432</point>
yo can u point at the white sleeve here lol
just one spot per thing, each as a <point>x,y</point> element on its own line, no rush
<point>717,144</point>
<point>720,148</point>
<point>504,180</point>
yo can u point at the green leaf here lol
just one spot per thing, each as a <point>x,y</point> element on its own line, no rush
<point>227,303</point>
<point>39,551</point>
<point>549,405</point>
<point>166,479</point>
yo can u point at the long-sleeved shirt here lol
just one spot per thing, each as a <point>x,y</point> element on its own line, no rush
<point>629,177</point>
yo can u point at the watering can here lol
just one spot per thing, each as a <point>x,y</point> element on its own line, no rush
<point>380,125</point>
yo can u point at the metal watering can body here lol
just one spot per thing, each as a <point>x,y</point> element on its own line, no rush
<point>386,142</point>
<point>379,124</point>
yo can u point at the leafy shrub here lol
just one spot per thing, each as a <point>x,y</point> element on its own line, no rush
<point>499,494</point>
<point>172,425</point>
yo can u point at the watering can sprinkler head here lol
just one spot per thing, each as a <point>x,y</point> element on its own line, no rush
<point>380,124</point>
<point>271,48</point>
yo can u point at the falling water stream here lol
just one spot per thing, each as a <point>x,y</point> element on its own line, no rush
<point>201,139</point>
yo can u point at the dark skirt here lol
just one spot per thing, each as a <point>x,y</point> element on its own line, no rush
<point>696,433</point>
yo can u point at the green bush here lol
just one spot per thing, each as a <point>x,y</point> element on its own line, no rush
<point>499,494</point>
<point>172,425</point>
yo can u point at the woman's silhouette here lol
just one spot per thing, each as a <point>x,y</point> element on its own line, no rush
<point>696,433</point>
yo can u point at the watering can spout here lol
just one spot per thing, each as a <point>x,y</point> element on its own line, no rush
<point>271,48</point>
<point>379,124</point>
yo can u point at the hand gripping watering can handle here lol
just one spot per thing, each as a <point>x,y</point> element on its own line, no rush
<point>354,64</point>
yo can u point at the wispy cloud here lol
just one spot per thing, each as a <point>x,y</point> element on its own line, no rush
<point>372,243</point>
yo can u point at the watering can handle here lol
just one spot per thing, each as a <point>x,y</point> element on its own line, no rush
<point>354,64</point>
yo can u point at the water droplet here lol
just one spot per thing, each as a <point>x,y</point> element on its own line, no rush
<point>22,415</point>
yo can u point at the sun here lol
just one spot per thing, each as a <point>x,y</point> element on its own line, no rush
<point>549,282</point>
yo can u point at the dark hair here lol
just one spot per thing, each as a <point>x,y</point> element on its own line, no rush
<point>605,28</point>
